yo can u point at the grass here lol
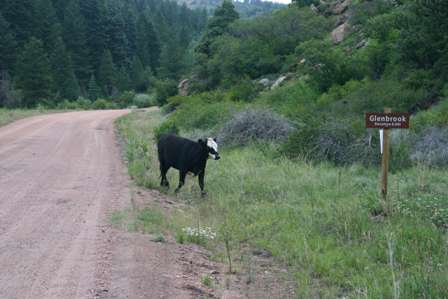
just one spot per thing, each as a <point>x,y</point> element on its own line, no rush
<point>9,115</point>
<point>325,223</point>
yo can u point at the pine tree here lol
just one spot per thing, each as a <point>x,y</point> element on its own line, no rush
<point>94,90</point>
<point>148,46</point>
<point>223,16</point>
<point>7,46</point>
<point>33,73</point>
<point>106,74</point>
<point>74,31</point>
<point>117,42</point>
<point>93,13</point>
<point>46,24</point>
<point>18,14</point>
<point>66,84</point>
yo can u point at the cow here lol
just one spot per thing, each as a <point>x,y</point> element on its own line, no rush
<point>187,156</point>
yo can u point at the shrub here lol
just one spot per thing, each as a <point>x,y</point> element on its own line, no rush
<point>84,103</point>
<point>144,100</point>
<point>335,141</point>
<point>245,90</point>
<point>431,147</point>
<point>164,90</point>
<point>293,99</point>
<point>167,127</point>
<point>100,104</point>
<point>204,111</point>
<point>436,116</point>
<point>254,124</point>
<point>126,99</point>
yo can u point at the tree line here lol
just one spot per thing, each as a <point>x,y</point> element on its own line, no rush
<point>55,50</point>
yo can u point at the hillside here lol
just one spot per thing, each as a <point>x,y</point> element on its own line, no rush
<point>246,9</point>
<point>286,94</point>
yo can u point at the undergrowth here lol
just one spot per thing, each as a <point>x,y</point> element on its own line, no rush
<point>325,222</point>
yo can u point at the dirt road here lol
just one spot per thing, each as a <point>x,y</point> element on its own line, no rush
<point>61,176</point>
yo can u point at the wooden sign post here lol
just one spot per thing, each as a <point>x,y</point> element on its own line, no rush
<point>385,121</point>
<point>385,160</point>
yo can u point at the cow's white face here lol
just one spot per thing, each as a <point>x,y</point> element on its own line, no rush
<point>212,148</point>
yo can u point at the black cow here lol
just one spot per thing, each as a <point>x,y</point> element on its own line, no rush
<point>186,156</point>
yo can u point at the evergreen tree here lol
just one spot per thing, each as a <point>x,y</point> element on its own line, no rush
<point>18,14</point>
<point>117,42</point>
<point>74,31</point>
<point>7,46</point>
<point>106,74</point>
<point>66,84</point>
<point>33,73</point>
<point>46,24</point>
<point>171,60</point>
<point>92,12</point>
<point>94,90</point>
<point>148,46</point>
<point>223,16</point>
<point>137,75</point>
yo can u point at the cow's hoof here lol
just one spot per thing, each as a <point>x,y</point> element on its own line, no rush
<point>203,194</point>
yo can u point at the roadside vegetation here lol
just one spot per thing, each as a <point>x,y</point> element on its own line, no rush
<point>9,115</point>
<point>286,95</point>
<point>325,222</point>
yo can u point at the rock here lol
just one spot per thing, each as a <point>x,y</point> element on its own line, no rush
<point>361,44</point>
<point>183,87</point>
<point>265,82</point>
<point>339,34</point>
<point>278,82</point>
<point>340,7</point>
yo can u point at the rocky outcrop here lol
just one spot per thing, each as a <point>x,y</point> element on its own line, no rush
<point>339,34</point>
<point>183,87</point>
<point>265,82</point>
<point>339,7</point>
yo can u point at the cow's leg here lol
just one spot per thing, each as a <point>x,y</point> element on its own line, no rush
<point>182,175</point>
<point>163,170</point>
<point>201,176</point>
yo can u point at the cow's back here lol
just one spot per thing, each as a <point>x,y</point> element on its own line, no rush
<point>177,152</point>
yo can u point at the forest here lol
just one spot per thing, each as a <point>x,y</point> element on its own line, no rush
<point>55,50</point>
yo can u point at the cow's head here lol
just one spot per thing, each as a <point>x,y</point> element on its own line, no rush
<point>211,146</point>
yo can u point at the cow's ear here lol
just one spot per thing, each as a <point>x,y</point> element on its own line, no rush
<point>215,139</point>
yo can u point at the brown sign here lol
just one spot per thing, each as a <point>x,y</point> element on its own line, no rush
<point>393,120</point>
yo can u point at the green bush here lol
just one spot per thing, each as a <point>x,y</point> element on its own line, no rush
<point>203,111</point>
<point>144,100</point>
<point>245,90</point>
<point>436,116</point>
<point>165,89</point>
<point>84,103</point>
<point>294,99</point>
<point>167,127</point>
<point>100,104</point>
<point>125,100</point>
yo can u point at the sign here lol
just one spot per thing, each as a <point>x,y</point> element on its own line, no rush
<point>387,120</point>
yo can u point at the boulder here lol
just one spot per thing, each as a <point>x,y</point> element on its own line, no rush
<point>279,82</point>
<point>339,34</point>
<point>183,87</point>
<point>265,82</point>
<point>339,7</point>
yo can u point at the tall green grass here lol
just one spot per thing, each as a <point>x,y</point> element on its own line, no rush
<point>324,222</point>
